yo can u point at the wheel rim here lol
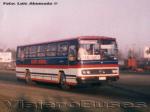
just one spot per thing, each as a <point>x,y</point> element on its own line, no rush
<point>28,77</point>
<point>63,82</point>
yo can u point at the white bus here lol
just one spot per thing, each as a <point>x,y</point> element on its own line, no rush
<point>69,62</point>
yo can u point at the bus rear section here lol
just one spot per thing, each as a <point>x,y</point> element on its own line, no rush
<point>70,62</point>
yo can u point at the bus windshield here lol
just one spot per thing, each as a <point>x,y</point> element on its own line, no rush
<point>97,50</point>
<point>109,50</point>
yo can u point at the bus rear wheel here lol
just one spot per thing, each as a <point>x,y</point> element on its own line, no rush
<point>63,83</point>
<point>28,79</point>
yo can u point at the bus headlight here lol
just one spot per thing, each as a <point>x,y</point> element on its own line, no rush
<point>86,72</point>
<point>114,71</point>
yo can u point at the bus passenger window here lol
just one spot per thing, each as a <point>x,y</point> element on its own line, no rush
<point>18,52</point>
<point>41,51</point>
<point>26,52</point>
<point>21,54</point>
<point>32,51</point>
<point>62,49</point>
<point>51,50</point>
<point>72,53</point>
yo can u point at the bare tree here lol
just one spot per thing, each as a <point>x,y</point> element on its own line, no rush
<point>120,55</point>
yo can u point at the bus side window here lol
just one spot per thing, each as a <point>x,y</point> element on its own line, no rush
<point>41,50</point>
<point>18,52</point>
<point>62,49</point>
<point>26,52</point>
<point>72,53</point>
<point>21,54</point>
<point>51,50</point>
<point>32,51</point>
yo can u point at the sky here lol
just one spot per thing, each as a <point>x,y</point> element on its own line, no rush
<point>126,20</point>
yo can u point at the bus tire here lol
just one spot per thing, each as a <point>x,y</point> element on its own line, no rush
<point>63,83</point>
<point>28,79</point>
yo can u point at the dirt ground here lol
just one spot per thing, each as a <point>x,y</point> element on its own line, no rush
<point>130,94</point>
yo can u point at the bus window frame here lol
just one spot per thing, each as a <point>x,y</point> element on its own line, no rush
<point>72,57</point>
<point>39,51</point>
<point>50,51</point>
<point>58,49</point>
<point>32,53</point>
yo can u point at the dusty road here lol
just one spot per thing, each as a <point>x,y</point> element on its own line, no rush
<point>130,93</point>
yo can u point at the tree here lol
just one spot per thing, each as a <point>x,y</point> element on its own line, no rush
<point>120,55</point>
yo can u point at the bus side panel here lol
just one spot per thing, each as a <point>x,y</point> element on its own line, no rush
<point>48,75</point>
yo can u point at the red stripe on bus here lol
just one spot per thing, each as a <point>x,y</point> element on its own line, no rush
<point>47,81</point>
<point>71,83</point>
<point>43,80</point>
<point>20,72</point>
<point>66,66</point>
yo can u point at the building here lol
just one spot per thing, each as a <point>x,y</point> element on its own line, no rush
<point>5,57</point>
<point>6,61</point>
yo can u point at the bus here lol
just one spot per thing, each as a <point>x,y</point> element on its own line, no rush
<point>69,62</point>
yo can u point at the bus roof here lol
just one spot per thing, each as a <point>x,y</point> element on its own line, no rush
<point>67,39</point>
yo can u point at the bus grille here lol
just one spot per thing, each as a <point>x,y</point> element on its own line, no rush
<point>98,71</point>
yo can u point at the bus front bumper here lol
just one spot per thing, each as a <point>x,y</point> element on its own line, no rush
<point>96,79</point>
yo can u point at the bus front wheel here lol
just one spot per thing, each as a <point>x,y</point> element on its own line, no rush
<point>63,83</point>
